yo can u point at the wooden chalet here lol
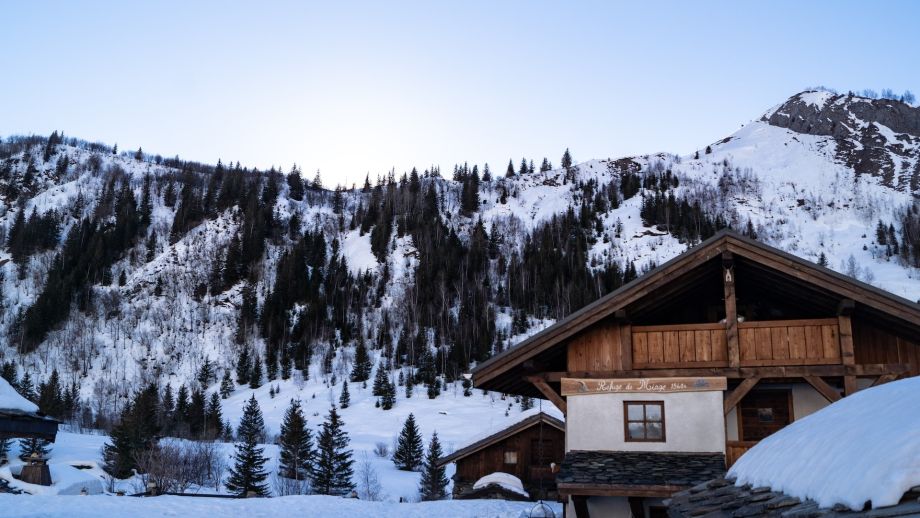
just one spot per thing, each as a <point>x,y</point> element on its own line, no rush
<point>705,355</point>
<point>526,449</point>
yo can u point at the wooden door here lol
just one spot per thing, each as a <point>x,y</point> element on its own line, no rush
<point>763,412</point>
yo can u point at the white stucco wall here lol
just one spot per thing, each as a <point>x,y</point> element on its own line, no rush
<point>693,422</point>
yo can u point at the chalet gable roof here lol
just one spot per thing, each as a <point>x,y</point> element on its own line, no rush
<point>501,435</point>
<point>768,261</point>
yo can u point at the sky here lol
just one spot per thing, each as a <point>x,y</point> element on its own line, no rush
<point>356,88</point>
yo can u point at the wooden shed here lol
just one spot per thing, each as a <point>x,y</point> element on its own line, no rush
<point>526,449</point>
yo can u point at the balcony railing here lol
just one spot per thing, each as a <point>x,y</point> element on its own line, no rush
<point>762,343</point>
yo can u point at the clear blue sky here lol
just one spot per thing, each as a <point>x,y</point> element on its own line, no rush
<point>355,87</point>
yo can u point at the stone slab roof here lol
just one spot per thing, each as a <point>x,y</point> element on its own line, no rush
<point>720,498</point>
<point>634,468</point>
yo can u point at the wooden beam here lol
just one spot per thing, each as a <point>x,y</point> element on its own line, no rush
<point>847,355</point>
<point>548,391</point>
<point>731,309</point>
<point>581,506</point>
<point>829,392</point>
<point>635,490</point>
<point>884,378</point>
<point>846,307</point>
<point>849,385</point>
<point>732,400</point>
<point>626,352</point>
<point>787,371</point>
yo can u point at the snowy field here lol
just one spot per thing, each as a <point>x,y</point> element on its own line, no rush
<point>301,506</point>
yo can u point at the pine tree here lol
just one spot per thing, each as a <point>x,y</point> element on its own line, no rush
<point>333,468</point>
<point>214,420</point>
<point>248,473</point>
<point>380,381</point>
<point>434,477</point>
<point>243,366</point>
<point>255,377</point>
<point>50,396</point>
<point>388,399</point>
<point>206,373</point>
<point>345,397</point>
<point>409,449</point>
<point>361,370</point>
<point>226,385</point>
<point>434,389</point>
<point>566,159</point>
<point>822,260</point>
<point>296,441</point>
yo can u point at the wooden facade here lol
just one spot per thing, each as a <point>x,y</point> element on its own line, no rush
<point>515,450</point>
<point>734,308</point>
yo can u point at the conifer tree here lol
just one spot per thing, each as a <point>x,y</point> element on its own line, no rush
<point>409,449</point>
<point>206,373</point>
<point>333,468</point>
<point>380,381</point>
<point>214,420</point>
<point>243,366</point>
<point>362,367</point>
<point>296,441</point>
<point>226,385</point>
<point>434,477</point>
<point>248,473</point>
<point>509,173</point>
<point>255,377</point>
<point>388,399</point>
<point>344,397</point>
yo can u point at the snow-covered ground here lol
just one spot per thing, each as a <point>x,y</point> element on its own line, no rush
<point>305,506</point>
<point>458,420</point>
<point>863,448</point>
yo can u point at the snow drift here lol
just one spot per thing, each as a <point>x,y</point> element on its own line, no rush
<point>863,448</point>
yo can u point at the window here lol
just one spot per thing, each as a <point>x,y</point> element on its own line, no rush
<point>644,421</point>
<point>510,457</point>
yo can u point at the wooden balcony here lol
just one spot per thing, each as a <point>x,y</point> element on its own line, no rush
<point>764,343</point>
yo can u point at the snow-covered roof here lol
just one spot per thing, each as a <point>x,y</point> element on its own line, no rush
<point>504,480</point>
<point>12,400</point>
<point>863,448</point>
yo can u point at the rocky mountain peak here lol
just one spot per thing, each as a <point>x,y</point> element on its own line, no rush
<point>878,137</point>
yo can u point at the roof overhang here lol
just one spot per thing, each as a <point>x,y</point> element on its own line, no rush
<point>18,424</point>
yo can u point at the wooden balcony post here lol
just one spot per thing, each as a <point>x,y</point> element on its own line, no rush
<point>731,309</point>
<point>847,355</point>
<point>626,352</point>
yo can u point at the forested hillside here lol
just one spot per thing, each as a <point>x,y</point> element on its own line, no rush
<point>122,268</point>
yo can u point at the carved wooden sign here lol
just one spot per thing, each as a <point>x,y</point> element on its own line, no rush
<point>578,386</point>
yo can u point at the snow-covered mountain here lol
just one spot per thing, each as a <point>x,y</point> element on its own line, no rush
<point>179,263</point>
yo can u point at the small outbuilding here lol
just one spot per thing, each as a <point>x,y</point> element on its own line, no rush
<point>527,449</point>
<point>19,418</point>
